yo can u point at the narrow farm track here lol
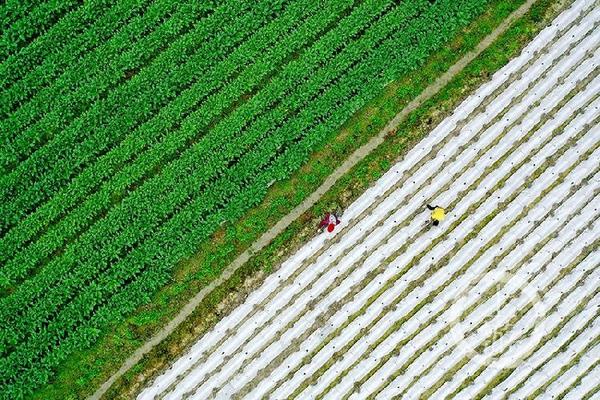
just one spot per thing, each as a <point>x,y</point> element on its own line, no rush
<point>499,301</point>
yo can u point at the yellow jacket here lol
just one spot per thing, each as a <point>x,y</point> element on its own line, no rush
<point>438,214</point>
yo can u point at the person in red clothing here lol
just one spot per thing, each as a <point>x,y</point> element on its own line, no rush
<point>329,221</point>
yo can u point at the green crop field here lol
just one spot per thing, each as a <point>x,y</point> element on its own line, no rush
<point>131,130</point>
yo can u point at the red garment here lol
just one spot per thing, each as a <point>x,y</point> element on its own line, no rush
<point>324,221</point>
<point>329,221</point>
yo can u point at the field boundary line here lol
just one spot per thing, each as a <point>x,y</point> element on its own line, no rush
<point>357,156</point>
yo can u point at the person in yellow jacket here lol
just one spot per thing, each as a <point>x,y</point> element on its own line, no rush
<point>437,214</point>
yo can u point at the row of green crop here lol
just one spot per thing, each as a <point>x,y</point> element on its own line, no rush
<point>151,145</point>
<point>91,82</point>
<point>216,149</point>
<point>13,10</point>
<point>122,111</point>
<point>36,21</point>
<point>37,65</point>
<point>145,267</point>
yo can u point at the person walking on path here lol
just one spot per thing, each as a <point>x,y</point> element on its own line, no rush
<point>329,221</point>
<point>437,214</point>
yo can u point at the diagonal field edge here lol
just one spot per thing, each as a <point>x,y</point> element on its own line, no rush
<point>357,156</point>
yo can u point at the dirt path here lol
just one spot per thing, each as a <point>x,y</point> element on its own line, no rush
<point>356,157</point>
